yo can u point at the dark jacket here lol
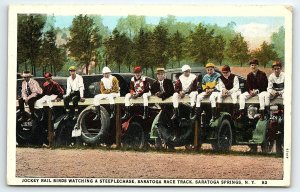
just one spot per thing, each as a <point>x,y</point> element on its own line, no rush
<point>167,86</point>
<point>260,81</point>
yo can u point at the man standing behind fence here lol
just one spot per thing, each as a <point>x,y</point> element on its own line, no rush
<point>109,89</point>
<point>31,92</point>
<point>75,88</point>
<point>139,86</point>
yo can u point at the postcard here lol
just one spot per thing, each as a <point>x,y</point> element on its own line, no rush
<point>149,95</point>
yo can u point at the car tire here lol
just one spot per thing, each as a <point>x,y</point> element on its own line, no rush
<point>223,141</point>
<point>93,132</point>
<point>134,136</point>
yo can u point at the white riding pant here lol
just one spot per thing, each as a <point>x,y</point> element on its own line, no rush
<point>261,96</point>
<point>176,98</point>
<point>145,98</point>
<point>45,99</point>
<point>234,97</point>
<point>269,97</point>
<point>111,97</point>
<point>212,98</point>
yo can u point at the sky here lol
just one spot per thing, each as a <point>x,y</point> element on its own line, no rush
<point>254,29</point>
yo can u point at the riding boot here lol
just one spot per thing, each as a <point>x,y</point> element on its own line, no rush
<point>235,110</point>
<point>76,114</point>
<point>98,113</point>
<point>175,114</point>
<point>262,115</point>
<point>112,111</point>
<point>126,115</point>
<point>214,114</point>
<point>145,112</point>
<point>241,114</point>
<point>23,116</point>
<point>196,113</point>
<point>192,113</point>
<point>218,110</point>
<point>67,115</point>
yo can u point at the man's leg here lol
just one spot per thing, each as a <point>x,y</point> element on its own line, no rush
<point>175,99</point>
<point>145,98</point>
<point>126,115</point>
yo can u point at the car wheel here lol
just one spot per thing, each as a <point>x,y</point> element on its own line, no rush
<point>223,141</point>
<point>134,137</point>
<point>93,131</point>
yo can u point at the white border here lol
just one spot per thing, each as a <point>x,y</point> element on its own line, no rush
<point>152,10</point>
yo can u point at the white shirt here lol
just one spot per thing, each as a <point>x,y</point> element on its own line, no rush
<point>107,82</point>
<point>277,81</point>
<point>75,85</point>
<point>186,82</point>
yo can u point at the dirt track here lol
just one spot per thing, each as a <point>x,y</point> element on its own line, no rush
<point>43,162</point>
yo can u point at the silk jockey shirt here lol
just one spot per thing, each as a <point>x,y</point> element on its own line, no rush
<point>75,85</point>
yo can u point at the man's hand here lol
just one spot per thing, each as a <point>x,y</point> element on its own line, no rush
<point>26,101</point>
<point>82,99</point>
<point>225,93</point>
<point>158,94</point>
<point>134,96</point>
<point>58,99</point>
<point>181,94</point>
<point>252,93</point>
<point>209,91</point>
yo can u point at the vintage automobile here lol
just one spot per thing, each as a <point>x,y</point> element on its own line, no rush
<point>93,132</point>
<point>226,130</point>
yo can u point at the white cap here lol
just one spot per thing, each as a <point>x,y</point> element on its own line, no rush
<point>185,68</point>
<point>106,70</point>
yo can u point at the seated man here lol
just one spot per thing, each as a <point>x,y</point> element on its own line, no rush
<point>256,83</point>
<point>75,88</point>
<point>162,87</point>
<point>229,86</point>
<point>209,87</point>
<point>139,86</point>
<point>52,91</point>
<point>109,89</point>
<point>31,92</point>
<point>275,83</point>
<point>185,85</point>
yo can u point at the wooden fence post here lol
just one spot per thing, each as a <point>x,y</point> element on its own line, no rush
<point>118,125</point>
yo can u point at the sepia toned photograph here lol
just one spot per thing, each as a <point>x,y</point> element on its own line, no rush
<point>149,95</point>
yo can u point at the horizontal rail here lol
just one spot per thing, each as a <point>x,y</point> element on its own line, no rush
<point>157,100</point>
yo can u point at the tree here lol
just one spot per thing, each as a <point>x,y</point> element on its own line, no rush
<point>143,52</point>
<point>219,47</point>
<point>131,25</point>
<point>277,40</point>
<point>237,50</point>
<point>265,53</point>
<point>201,44</point>
<point>84,41</point>
<point>29,40</point>
<point>160,47</point>
<point>52,57</point>
<point>118,48</point>
<point>177,47</point>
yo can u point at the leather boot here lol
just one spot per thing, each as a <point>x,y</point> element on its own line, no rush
<point>241,114</point>
<point>126,115</point>
<point>98,113</point>
<point>214,114</point>
<point>218,110</point>
<point>112,111</point>
<point>145,116</point>
<point>67,115</point>
<point>76,114</point>
<point>196,113</point>
<point>23,117</point>
<point>175,114</point>
<point>262,115</point>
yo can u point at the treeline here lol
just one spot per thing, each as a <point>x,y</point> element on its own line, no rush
<point>90,45</point>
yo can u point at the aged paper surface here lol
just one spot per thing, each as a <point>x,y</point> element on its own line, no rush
<point>85,165</point>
